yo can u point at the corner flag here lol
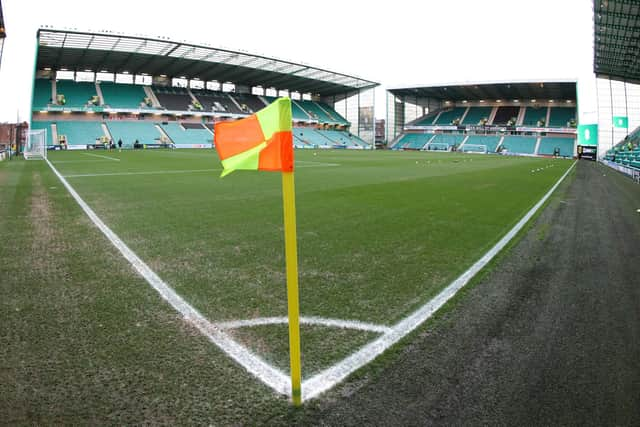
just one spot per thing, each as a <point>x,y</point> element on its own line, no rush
<point>264,141</point>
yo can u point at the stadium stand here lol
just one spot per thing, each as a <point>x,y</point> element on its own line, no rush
<point>122,95</point>
<point>533,115</point>
<point>548,146</point>
<point>490,141</point>
<point>316,112</point>
<point>447,117</point>
<point>341,138</point>
<point>192,133</point>
<point>312,137</point>
<point>337,118</point>
<point>561,116</point>
<point>80,132</point>
<point>475,114</point>
<point>173,98</point>
<point>129,131</point>
<point>41,94</point>
<point>505,114</point>
<point>414,141</point>
<point>251,103</point>
<point>519,144</point>
<point>449,140</point>
<point>216,101</point>
<point>76,94</point>
<point>44,125</point>
<point>425,120</point>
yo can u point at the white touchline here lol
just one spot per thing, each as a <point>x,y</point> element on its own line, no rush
<point>266,373</point>
<point>328,378</point>
<point>101,156</point>
<point>306,320</point>
<point>165,172</point>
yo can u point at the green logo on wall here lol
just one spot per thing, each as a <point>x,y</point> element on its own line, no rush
<point>588,134</point>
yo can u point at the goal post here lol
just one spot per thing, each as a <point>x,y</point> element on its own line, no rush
<point>35,147</point>
<point>438,146</point>
<point>474,148</point>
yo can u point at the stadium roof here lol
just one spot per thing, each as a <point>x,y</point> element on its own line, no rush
<point>115,53</point>
<point>539,90</point>
<point>617,39</point>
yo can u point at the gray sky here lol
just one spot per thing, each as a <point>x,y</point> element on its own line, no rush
<point>394,43</point>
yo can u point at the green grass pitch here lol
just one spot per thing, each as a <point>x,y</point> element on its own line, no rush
<point>379,234</point>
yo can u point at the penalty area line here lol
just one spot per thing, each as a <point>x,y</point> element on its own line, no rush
<point>102,157</point>
<point>328,378</point>
<point>255,365</point>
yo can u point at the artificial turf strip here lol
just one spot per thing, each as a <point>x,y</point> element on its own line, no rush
<point>84,340</point>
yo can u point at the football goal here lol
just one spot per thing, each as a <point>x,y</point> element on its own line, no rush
<point>438,146</point>
<point>474,148</point>
<point>36,145</point>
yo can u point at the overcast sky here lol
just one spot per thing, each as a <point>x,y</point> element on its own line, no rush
<point>395,43</point>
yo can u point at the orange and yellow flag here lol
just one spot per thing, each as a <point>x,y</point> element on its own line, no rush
<point>262,141</point>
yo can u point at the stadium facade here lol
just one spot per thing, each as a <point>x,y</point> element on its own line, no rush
<point>92,88</point>
<point>616,65</point>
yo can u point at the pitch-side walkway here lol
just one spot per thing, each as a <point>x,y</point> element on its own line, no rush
<point>550,337</point>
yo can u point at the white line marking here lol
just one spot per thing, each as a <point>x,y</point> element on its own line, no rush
<point>84,175</point>
<point>328,378</point>
<point>306,320</point>
<point>104,157</point>
<point>266,373</point>
<point>167,172</point>
<point>79,161</point>
<point>315,163</point>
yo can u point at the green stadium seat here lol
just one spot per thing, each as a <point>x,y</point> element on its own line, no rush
<point>123,95</point>
<point>532,115</point>
<point>447,117</point>
<point>41,94</point>
<point>80,132</point>
<point>188,136</point>
<point>549,144</point>
<point>561,116</point>
<point>476,114</point>
<point>490,141</point>
<point>129,131</point>
<point>519,144</point>
<point>76,94</point>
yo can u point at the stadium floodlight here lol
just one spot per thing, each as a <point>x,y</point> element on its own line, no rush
<point>36,145</point>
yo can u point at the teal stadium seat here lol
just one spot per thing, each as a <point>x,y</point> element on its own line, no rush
<point>334,114</point>
<point>41,94</point>
<point>118,95</point>
<point>46,125</point>
<point>533,114</point>
<point>475,114</point>
<point>76,94</point>
<point>519,144</point>
<point>129,131</point>
<point>413,141</point>
<point>448,139</point>
<point>491,141</point>
<point>80,132</point>
<point>561,116</point>
<point>187,135</point>
<point>447,117</point>
<point>312,137</point>
<point>549,144</point>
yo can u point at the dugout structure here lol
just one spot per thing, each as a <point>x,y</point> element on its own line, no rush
<point>189,69</point>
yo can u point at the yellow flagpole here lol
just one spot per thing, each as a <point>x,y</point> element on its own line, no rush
<point>291,255</point>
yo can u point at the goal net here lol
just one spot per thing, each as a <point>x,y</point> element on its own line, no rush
<point>438,146</point>
<point>474,148</point>
<point>36,145</point>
